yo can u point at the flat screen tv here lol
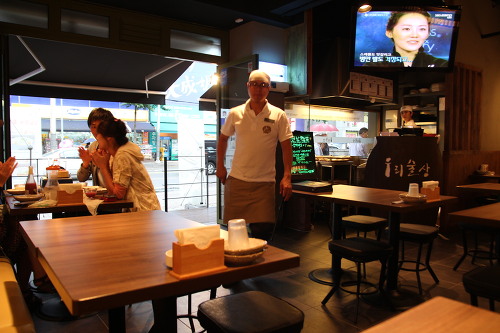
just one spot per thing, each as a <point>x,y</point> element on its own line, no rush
<point>405,38</point>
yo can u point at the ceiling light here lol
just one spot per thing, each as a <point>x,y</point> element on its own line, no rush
<point>238,20</point>
<point>364,8</point>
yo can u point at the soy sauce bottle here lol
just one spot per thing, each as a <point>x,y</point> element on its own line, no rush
<point>30,185</point>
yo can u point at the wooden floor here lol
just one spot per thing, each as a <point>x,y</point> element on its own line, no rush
<point>295,286</point>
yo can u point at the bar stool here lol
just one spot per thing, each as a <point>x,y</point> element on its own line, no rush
<point>483,282</point>
<point>247,312</point>
<point>421,234</point>
<point>476,252</point>
<point>364,224</point>
<point>360,250</point>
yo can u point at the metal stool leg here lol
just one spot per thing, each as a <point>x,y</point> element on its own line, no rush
<point>417,268</point>
<point>427,262</point>
<point>466,250</point>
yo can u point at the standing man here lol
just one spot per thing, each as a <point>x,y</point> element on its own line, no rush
<point>360,149</point>
<point>250,187</point>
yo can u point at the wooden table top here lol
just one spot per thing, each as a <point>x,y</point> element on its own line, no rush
<point>107,261</point>
<point>481,187</point>
<point>441,315</point>
<point>373,198</point>
<point>487,215</point>
<point>77,207</point>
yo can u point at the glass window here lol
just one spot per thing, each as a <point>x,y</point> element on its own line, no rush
<point>336,127</point>
<point>192,42</point>
<point>24,12</point>
<point>84,24</point>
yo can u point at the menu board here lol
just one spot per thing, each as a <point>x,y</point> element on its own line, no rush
<point>304,163</point>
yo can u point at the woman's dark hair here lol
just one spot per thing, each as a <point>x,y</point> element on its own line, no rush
<point>114,128</point>
<point>395,16</point>
<point>99,114</point>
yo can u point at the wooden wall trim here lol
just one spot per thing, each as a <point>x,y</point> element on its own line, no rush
<point>458,166</point>
<point>463,109</point>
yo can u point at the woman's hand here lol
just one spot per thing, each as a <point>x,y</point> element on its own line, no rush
<point>85,155</point>
<point>6,169</point>
<point>101,159</point>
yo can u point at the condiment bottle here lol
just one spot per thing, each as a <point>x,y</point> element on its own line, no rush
<point>30,185</point>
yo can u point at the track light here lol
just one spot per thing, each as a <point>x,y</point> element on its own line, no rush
<point>364,7</point>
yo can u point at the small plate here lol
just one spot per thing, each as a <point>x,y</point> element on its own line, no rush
<point>254,245</point>
<point>28,197</point>
<point>235,260</point>
<point>411,199</point>
<point>99,190</point>
<point>16,191</point>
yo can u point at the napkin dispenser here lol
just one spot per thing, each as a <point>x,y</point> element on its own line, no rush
<point>431,190</point>
<point>189,260</point>
<point>69,194</point>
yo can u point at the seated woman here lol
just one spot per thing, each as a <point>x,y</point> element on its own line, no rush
<point>120,162</point>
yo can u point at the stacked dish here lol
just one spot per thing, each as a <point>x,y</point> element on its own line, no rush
<point>413,199</point>
<point>28,197</point>
<point>241,257</point>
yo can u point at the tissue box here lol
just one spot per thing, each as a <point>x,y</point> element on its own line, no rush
<point>190,261</point>
<point>64,197</point>
<point>432,194</point>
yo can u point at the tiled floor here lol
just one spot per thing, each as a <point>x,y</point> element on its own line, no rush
<point>295,286</point>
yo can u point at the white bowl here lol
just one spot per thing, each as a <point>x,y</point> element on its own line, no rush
<point>254,245</point>
<point>28,197</point>
<point>413,199</point>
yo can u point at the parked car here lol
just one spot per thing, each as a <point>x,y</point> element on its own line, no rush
<point>68,158</point>
<point>210,160</point>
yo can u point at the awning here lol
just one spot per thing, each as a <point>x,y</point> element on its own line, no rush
<point>94,73</point>
<point>70,125</point>
<point>207,101</point>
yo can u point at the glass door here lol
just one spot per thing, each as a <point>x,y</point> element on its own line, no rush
<point>232,92</point>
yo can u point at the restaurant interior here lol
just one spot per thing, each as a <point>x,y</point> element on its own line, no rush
<point>453,251</point>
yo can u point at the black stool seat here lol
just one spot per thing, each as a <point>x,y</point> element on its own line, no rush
<point>363,222</point>
<point>360,250</point>
<point>421,234</point>
<point>417,232</point>
<point>483,282</point>
<point>251,311</point>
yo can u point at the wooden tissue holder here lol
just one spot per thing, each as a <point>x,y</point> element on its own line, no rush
<point>189,261</point>
<point>64,198</point>
<point>431,194</point>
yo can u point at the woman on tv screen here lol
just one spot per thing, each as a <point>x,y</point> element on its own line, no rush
<point>409,31</point>
<point>405,38</point>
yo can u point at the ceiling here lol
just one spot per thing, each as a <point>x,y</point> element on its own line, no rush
<point>221,13</point>
<point>85,72</point>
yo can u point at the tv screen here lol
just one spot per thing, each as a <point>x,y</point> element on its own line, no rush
<point>406,38</point>
<point>304,159</point>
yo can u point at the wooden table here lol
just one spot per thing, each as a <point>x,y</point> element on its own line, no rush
<point>488,178</point>
<point>482,188</point>
<point>441,315</point>
<point>381,199</point>
<point>487,215</point>
<point>109,261</point>
<point>19,212</point>
<point>476,194</point>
